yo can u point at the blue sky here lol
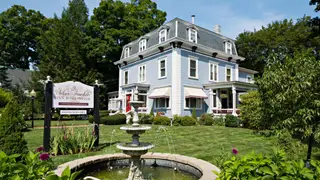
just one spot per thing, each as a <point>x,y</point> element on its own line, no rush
<point>234,16</point>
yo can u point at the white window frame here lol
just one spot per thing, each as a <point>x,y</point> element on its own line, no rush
<point>231,73</point>
<point>142,45</point>
<point>126,52</point>
<point>165,35</point>
<point>124,77</point>
<point>155,103</point>
<point>145,73</point>
<point>159,68</point>
<point>217,65</point>
<point>191,58</point>
<point>196,35</point>
<point>227,44</point>
<point>146,96</point>
<point>197,99</point>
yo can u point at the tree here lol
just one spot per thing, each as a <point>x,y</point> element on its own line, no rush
<point>4,80</point>
<point>115,24</point>
<point>290,94</point>
<point>280,37</point>
<point>19,29</point>
<point>250,111</point>
<point>62,48</point>
<point>316,3</point>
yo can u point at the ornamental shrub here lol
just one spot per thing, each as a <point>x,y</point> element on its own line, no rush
<point>12,125</point>
<point>113,120</point>
<point>231,121</point>
<point>194,113</point>
<point>218,121</point>
<point>177,120</point>
<point>206,119</point>
<point>145,118</point>
<point>161,120</point>
<point>275,166</point>
<point>188,121</point>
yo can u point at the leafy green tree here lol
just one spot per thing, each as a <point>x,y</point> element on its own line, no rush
<point>251,112</point>
<point>19,29</point>
<point>316,3</point>
<point>61,48</point>
<point>113,25</point>
<point>280,37</point>
<point>290,94</point>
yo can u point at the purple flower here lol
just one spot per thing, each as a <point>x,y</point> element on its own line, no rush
<point>234,151</point>
<point>39,149</point>
<point>44,156</point>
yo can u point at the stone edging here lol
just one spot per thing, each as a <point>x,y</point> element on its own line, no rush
<point>205,167</point>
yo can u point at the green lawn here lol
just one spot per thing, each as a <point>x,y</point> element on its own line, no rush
<point>209,143</point>
<point>39,123</point>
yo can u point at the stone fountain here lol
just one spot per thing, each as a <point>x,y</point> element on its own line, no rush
<point>135,148</point>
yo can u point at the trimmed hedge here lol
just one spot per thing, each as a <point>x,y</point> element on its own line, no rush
<point>218,121</point>
<point>161,120</point>
<point>231,121</point>
<point>206,119</point>
<point>113,120</point>
<point>188,121</point>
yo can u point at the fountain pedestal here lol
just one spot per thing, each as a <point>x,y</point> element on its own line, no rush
<point>135,148</point>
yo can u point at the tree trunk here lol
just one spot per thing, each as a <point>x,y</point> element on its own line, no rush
<point>310,143</point>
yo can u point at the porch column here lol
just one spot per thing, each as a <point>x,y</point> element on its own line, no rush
<point>218,99</point>
<point>210,101</point>
<point>234,102</point>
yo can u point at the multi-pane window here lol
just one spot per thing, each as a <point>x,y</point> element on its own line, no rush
<point>142,96</point>
<point>142,73</point>
<point>228,48</point>
<point>228,74</point>
<point>162,35</point>
<point>162,102</point>
<point>142,45</point>
<point>213,72</point>
<point>193,68</point>
<point>126,52</point>
<point>249,78</point>
<point>126,77</point>
<point>194,103</point>
<point>162,68</point>
<point>193,35</point>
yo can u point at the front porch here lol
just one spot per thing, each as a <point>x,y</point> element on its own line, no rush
<point>224,96</point>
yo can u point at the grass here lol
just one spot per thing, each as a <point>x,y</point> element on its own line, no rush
<point>39,123</point>
<point>209,143</point>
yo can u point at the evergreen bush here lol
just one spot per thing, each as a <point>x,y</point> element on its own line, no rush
<point>218,121</point>
<point>194,113</point>
<point>177,120</point>
<point>231,121</point>
<point>12,125</point>
<point>145,118</point>
<point>161,120</point>
<point>206,119</point>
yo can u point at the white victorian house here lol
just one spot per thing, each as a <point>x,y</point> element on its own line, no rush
<point>180,67</point>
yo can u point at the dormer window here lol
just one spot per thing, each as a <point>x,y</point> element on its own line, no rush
<point>126,52</point>
<point>142,45</point>
<point>193,35</point>
<point>162,35</point>
<point>228,47</point>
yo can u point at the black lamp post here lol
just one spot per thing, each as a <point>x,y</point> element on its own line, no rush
<point>32,95</point>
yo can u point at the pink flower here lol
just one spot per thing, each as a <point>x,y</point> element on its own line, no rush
<point>39,149</point>
<point>234,151</point>
<point>44,156</point>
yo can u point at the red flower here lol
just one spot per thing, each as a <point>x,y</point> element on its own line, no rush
<point>234,151</point>
<point>44,157</point>
<point>39,149</point>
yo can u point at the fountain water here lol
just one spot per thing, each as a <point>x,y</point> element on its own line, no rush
<point>135,148</point>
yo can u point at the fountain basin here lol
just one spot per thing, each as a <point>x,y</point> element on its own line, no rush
<point>133,150</point>
<point>200,168</point>
<point>135,130</point>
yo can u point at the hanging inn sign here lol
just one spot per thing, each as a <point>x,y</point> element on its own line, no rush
<point>72,95</point>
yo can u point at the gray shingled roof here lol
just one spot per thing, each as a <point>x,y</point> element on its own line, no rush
<point>18,76</point>
<point>205,37</point>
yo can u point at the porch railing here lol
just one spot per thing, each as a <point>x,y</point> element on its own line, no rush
<point>224,111</point>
